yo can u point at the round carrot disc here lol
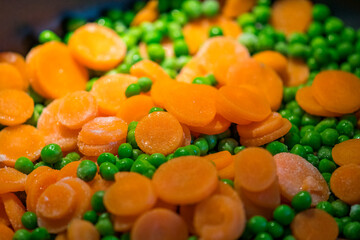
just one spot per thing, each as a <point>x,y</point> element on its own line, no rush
<point>150,69</point>
<point>20,141</point>
<point>255,169</point>
<point>159,132</point>
<point>12,180</point>
<point>159,224</point>
<point>97,47</point>
<point>337,91</point>
<point>18,62</point>
<point>314,224</point>
<point>81,230</point>
<point>135,108</point>
<point>296,174</point>
<point>10,77</point>
<point>344,183</point>
<point>273,59</point>
<point>216,126</point>
<point>297,72</point>
<point>15,107</point>
<point>185,180</point>
<point>347,152</point>
<point>94,150</point>
<point>131,194</point>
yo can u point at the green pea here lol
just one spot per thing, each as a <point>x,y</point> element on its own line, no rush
<point>210,8</point>
<point>181,48</point>
<point>97,203</point>
<point>298,38</point>
<point>284,214</point>
<point>345,127</point>
<point>114,14</point>
<point>124,164</point>
<point>156,52</point>
<point>156,109</point>
<point>105,227</point>
<point>345,66</point>
<point>291,139</point>
<point>324,124</point>
<point>119,27</point>
<point>342,138</point>
<point>160,26</point>
<point>344,49</point>
<point>170,62</point>
<point>325,206</point>
<point>192,8</point>
<point>136,153</point>
<point>355,212</point>
<point>250,41</point>
<point>320,12</point>
<point>212,79</point>
<point>312,63</point>
<point>106,157</point>
<point>350,117</point>
<point>169,157</point>
<point>301,201</point>
<point>132,90</point>
<point>86,170</point>
<point>321,55</point>
<point>91,216</point>
<point>130,138</point>
<point>157,159</point>
<point>128,17</point>
<point>257,224</point>
<point>297,50</point>
<point>110,237</point>
<point>308,119</point>
<point>195,150</point>
<point>275,229</point>
<point>73,156</point>
<point>211,140</point>
<point>282,48</point>
<point>228,181</point>
<point>340,224</point>
<point>223,135</point>
<point>352,230</point>
<point>201,80</point>
<point>152,37</point>
<point>179,17</point>
<point>171,72</point>
<point>324,152</point>
<point>276,147</point>
<point>289,237</point>
<point>315,29</point>
<point>143,167</point>
<point>51,153</point>
<point>348,34</point>
<point>311,138</point>
<point>41,164</point>
<point>341,209</point>
<point>215,31</point>
<point>24,165</point>
<point>147,27</point>
<point>108,170</point>
<point>62,163</point>
<point>47,36</point>
<point>238,149</point>
<point>22,234</point>
<point>246,19</point>
<point>132,125</point>
<point>265,43</point>
<point>105,21</point>
<point>294,119</point>
<point>329,137</point>
<point>314,160</point>
<point>29,220</point>
<point>181,151</point>
<point>263,236</point>
<point>74,23</point>
<point>262,13</point>
<point>40,234</point>
<point>333,25</point>
<point>182,61</point>
<point>333,39</point>
<point>354,60</point>
<point>227,144</point>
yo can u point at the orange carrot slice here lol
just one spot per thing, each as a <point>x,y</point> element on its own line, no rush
<point>344,183</point>
<point>239,103</point>
<point>20,141</point>
<point>95,150</point>
<point>337,91</point>
<point>12,180</point>
<point>57,72</point>
<point>255,169</point>
<point>229,26</point>
<point>296,174</point>
<point>10,77</point>
<point>97,47</point>
<point>103,130</point>
<point>307,101</point>
<point>227,172</point>
<point>251,72</point>
<point>6,233</point>
<point>190,71</point>
<point>53,131</point>
<point>155,129</point>
<point>226,190</point>
<point>69,170</point>
<point>150,69</point>
<point>259,141</point>
<point>82,230</point>
<point>314,224</point>
<point>109,92</point>
<point>131,194</point>
<point>196,33</point>
<point>14,209</point>
<point>275,60</point>
<point>15,107</point>
<point>220,159</point>
<point>160,90</point>
<point>32,177</point>
<point>234,8</point>
<point>18,62</point>
<point>76,109</point>
<point>123,223</point>
<point>4,219</point>
<point>297,72</point>
<point>99,184</point>
<point>159,224</point>
<point>216,126</point>
<point>186,212</point>
<point>219,216</point>
<point>172,187</point>
<point>347,152</point>
<point>187,135</point>
<point>259,129</point>
<point>161,204</point>
<point>149,13</point>
<point>287,18</point>
<point>135,108</point>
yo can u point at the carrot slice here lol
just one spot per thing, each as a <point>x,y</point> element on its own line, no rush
<point>286,17</point>
<point>149,13</point>
<point>97,47</point>
<point>239,103</point>
<point>69,170</point>
<point>274,60</point>
<point>196,33</point>
<point>14,209</point>
<point>94,150</point>
<point>161,204</point>
<point>186,212</point>
<point>150,69</point>
<point>155,129</point>
<point>190,71</point>
<point>103,130</point>
<point>57,73</point>
<point>226,190</point>
<point>220,159</point>
<point>20,141</point>
<point>4,219</point>
<point>171,185</point>
<point>255,169</point>
<point>10,77</point>
<point>219,217</point>
<point>191,104</point>
<point>219,62</point>
<point>135,108</point>
<point>216,126</point>
<point>307,101</point>
<point>344,183</point>
<point>251,72</point>
<point>187,135</point>
<point>234,8</point>
<point>53,131</point>
<point>11,180</point>
<point>160,91</point>
<point>314,224</point>
<point>18,62</point>
<point>227,172</point>
<point>82,230</point>
<point>296,174</point>
<point>337,91</point>
<point>109,92</point>
<point>259,141</point>
<point>61,236</point>
<point>57,201</point>
<point>6,233</point>
<point>15,107</point>
<point>229,26</point>
<point>159,224</point>
<point>123,223</point>
<point>347,152</point>
<point>131,194</point>
<point>259,129</point>
<point>297,72</point>
<point>32,177</point>
<point>76,109</point>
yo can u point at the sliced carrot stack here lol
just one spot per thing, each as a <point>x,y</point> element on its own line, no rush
<point>109,92</point>
<point>337,91</point>
<point>69,170</point>
<point>347,152</point>
<point>297,72</point>
<point>157,128</point>
<point>234,8</point>
<point>12,180</point>
<point>216,126</point>
<point>97,47</point>
<point>14,209</point>
<point>296,174</point>
<point>20,141</point>
<point>135,108</point>
<point>32,177</point>
<point>200,182</point>
<point>150,69</point>
<point>10,77</point>
<point>18,62</point>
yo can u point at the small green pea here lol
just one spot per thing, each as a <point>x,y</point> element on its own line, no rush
<point>22,234</point>
<point>105,21</point>
<point>91,216</point>
<point>143,167</point>
<point>132,90</point>
<point>291,139</point>
<point>246,19</point>
<point>192,8</point>
<point>201,80</point>
<point>157,159</point>
<point>345,127</point>
<point>106,157</point>
<point>315,29</point>
<point>352,230</point>
<point>29,220</point>
<point>298,150</point>
<point>228,181</point>
<point>97,203</point>
<point>181,48</point>
<point>301,201</point>
<point>130,138</point>
<point>320,12</point>
<point>51,153</point>
<point>108,170</point>
<point>156,109</point>
<point>314,160</point>
<point>47,36</point>
<point>215,31</point>
<point>40,233</point>
<point>341,209</point>
<point>276,147</point>
<point>227,144</point>
<point>325,206</point>
<point>263,236</point>
<point>212,140</point>
<point>86,170</point>
<point>249,40</point>
<point>210,8</point>
<point>325,152</point>
<point>284,214</point>
<point>179,17</point>
<point>324,124</point>
<point>257,224</point>
<point>24,165</point>
<point>105,227</point>
<point>262,13</point>
<point>156,52</point>
<point>124,164</point>
<point>152,37</point>
<point>333,25</point>
<point>355,212</point>
<point>275,229</point>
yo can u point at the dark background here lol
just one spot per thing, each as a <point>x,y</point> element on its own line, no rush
<point>22,20</point>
